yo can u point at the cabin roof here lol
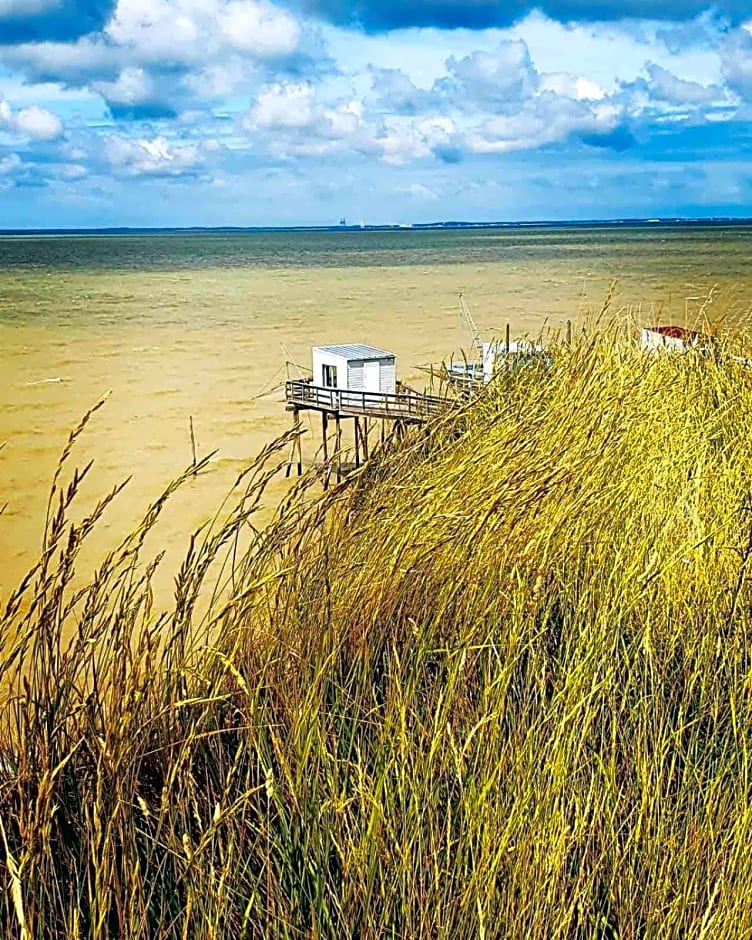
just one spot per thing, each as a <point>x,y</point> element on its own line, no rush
<point>356,351</point>
<point>674,332</point>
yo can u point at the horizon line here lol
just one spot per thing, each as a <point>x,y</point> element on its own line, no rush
<point>410,226</point>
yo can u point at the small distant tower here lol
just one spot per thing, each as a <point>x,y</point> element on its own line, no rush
<point>343,221</point>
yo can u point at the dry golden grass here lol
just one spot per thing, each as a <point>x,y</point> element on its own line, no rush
<point>497,684</point>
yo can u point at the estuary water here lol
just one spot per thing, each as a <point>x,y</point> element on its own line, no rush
<point>207,325</point>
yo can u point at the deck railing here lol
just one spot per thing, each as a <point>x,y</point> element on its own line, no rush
<point>410,406</point>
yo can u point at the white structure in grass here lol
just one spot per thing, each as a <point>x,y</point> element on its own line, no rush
<point>673,339</point>
<point>355,368</point>
<point>497,355</point>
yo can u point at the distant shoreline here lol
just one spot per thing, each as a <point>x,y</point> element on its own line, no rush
<point>668,222</point>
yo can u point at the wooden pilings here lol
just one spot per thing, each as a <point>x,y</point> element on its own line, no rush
<point>332,450</point>
<point>361,441</point>
<point>324,435</point>
<point>297,447</point>
<point>338,451</point>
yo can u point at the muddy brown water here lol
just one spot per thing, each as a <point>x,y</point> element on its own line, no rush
<point>192,328</point>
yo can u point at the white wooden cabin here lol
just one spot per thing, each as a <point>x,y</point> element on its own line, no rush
<point>355,368</point>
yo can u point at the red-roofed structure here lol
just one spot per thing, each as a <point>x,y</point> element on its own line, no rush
<point>673,338</point>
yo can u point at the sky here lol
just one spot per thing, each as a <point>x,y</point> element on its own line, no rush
<point>300,112</point>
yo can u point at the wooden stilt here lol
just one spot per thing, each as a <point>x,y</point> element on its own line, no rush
<point>296,449</point>
<point>364,427</point>
<point>339,449</point>
<point>507,340</point>
<point>357,442</point>
<point>299,442</point>
<point>324,434</point>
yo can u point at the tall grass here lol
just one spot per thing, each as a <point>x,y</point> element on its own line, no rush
<point>496,684</point>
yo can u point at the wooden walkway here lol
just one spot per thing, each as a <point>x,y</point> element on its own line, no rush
<point>409,407</point>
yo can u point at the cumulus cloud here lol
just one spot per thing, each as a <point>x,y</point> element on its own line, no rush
<point>34,123</point>
<point>386,15</point>
<point>187,31</point>
<point>403,142</point>
<point>666,86</point>
<point>497,79</point>
<point>549,119</point>
<point>487,104</point>
<point>140,94</point>
<point>157,58</point>
<point>71,64</point>
<point>72,172</point>
<point>259,28</point>
<point>288,120</point>
<point>577,87</point>
<point>156,156</point>
<point>736,60</point>
<point>294,122</point>
<point>285,106</point>
<point>253,74</point>
<point>397,92</point>
<point>498,103</point>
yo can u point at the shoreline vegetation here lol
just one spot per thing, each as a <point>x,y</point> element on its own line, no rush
<point>498,683</point>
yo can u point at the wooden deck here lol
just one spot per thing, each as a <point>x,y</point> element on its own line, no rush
<point>408,407</point>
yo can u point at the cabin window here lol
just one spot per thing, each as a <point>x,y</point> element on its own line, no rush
<point>330,376</point>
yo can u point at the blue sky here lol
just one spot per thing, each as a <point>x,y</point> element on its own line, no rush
<point>253,112</point>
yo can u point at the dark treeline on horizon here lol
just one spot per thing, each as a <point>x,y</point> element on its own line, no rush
<point>417,226</point>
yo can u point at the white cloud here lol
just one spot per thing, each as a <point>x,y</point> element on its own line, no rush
<point>259,28</point>
<point>577,87</point>
<point>38,123</point>
<point>73,171</point>
<point>133,86</point>
<point>34,123</point>
<point>668,87</point>
<point>284,105</point>
<point>166,56</point>
<point>190,31</point>
<point>547,119</point>
<point>404,141</point>
<point>294,122</point>
<point>499,78</point>
<point>408,107</point>
<point>736,60</point>
<point>154,157</point>
<point>71,64</point>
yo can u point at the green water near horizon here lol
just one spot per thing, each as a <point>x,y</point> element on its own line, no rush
<point>685,245</point>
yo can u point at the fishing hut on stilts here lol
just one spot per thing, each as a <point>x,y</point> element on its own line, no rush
<point>353,382</point>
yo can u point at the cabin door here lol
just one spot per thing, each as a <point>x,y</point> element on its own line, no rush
<point>371,374</point>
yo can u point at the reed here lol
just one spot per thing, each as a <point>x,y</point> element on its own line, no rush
<point>495,684</point>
